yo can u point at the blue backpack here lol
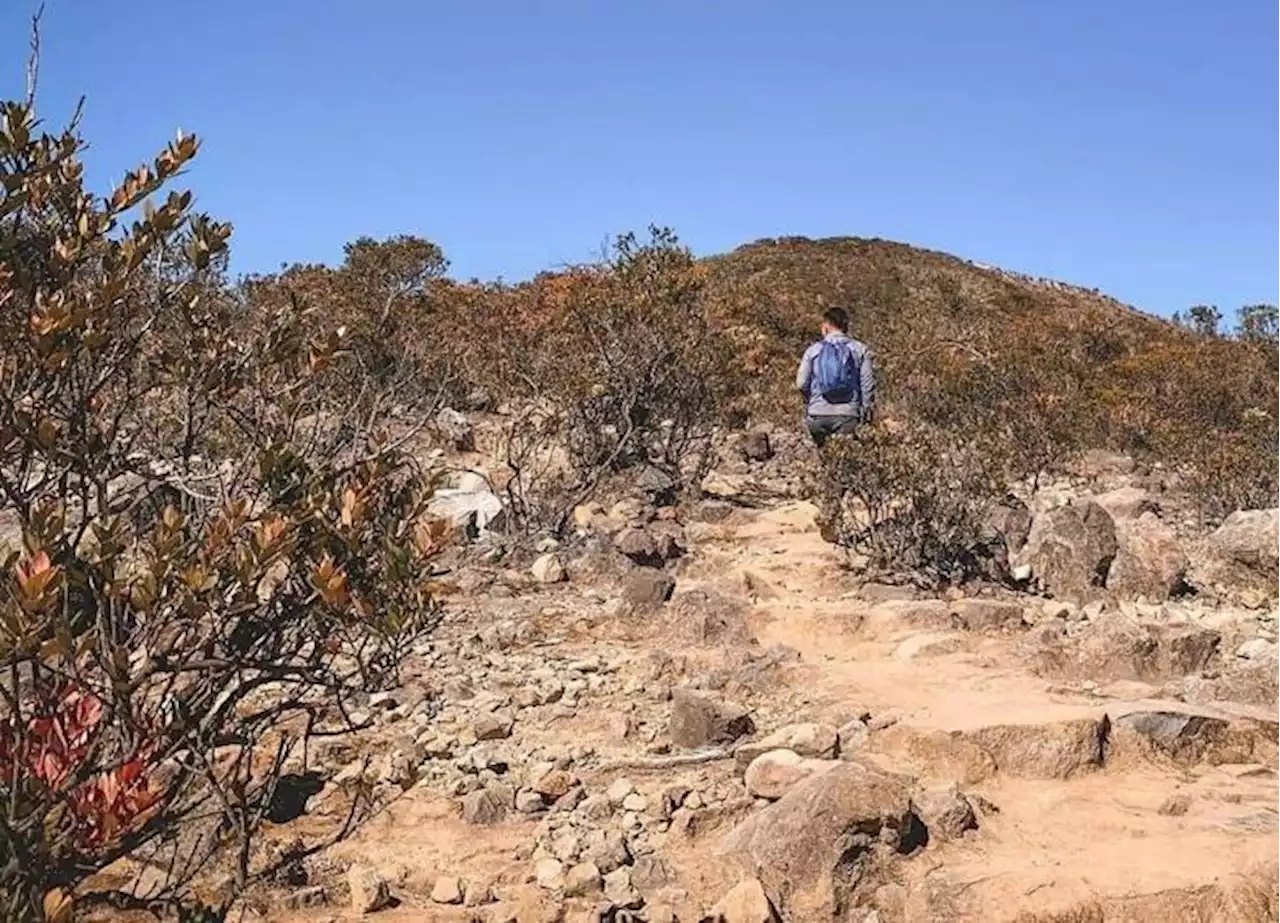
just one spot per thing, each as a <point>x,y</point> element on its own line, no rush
<point>836,374</point>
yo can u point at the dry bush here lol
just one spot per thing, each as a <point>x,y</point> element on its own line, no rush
<point>913,499</point>
<point>620,371</point>
<point>162,670</point>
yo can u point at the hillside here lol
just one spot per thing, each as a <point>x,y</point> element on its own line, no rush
<point>902,297</point>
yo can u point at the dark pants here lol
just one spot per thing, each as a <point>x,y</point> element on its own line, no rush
<point>822,428</point>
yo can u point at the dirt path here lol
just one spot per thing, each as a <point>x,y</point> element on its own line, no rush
<point>1102,797</point>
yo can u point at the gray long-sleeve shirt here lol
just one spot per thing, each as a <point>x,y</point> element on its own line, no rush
<point>817,405</point>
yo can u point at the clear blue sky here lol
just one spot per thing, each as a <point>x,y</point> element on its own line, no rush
<point>1124,144</point>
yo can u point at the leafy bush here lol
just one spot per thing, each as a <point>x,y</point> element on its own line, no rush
<point>219,543</point>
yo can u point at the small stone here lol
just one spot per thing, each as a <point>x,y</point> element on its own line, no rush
<point>309,896</point>
<point>619,790</point>
<point>746,902</point>
<point>635,802</point>
<point>483,807</point>
<point>1175,805</point>
<point>609,852</point>
<point>383,700</point>
<point>883,720</point>
<point>549,873</point>
<point>554,784</point>
<point>698,720</point>
<point>528,802</point>
<point>566,847</point>
<point>569,800</point>
<point>495,726</point>
<point>756,447</point>
<point>673,796</point>
<point>650,873</point>
<point>548,569</point>
<point>582,880</point>
<point>477,893</point>
<point>447,890</point>
<point>597,807</point>
<point>647,588</point>
<point>853,736</point>
<point>693,801</point>
<point>369,890</point>
<point>618,888</point>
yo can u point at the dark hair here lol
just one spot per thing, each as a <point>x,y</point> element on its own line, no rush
<point>837,317</point>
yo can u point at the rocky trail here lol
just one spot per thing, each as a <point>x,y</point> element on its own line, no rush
<point>776,741</point>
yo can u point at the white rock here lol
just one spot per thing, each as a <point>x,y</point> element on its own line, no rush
<point>548,569</point>
<point>619,790</point>
<point>549,873</point>
<point>369,891</point>
<point>1255,649</point>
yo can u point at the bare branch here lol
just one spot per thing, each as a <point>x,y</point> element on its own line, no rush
<point>33,57</point>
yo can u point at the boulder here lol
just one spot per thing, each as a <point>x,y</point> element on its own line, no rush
<point>1070,549</point>
<point>699,721</point>
<point>639,545</point>
<point>645,589</point>
<point>369,890</point>
<point>471,509</point>
<point>1249,537</point>
<point>771,775</point>
<point>828,837</point>
<point>554,785</point>
<point>1049,750</point>
<point>548,569</point>
<point>745,902</point>
<point>494,726</point>
<point>549,873</point>
<point>1239,559</point>
<point>1011,522</point>
<point>655,486</point>
<point>946,813</point>
<point>707,617</point>
<point>1149,559</point>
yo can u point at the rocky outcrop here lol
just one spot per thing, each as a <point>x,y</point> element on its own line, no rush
<point>1070,549</point>
<point>1149,561</point>
<point>1114,646</point>
<point>699,721</point>
<point>1239,560</point>
<point>819,848</point>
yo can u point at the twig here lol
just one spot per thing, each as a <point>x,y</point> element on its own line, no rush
<point>666,762</point>
<point>33,59</point>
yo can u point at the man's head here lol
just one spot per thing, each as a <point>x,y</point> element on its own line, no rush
<point>835,320</point>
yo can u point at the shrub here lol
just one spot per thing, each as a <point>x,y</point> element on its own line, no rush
<point>161,670</point>
<point>626,372</point>
<point>913,499</point>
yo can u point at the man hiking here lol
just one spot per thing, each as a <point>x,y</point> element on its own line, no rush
<point>837,379</point>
